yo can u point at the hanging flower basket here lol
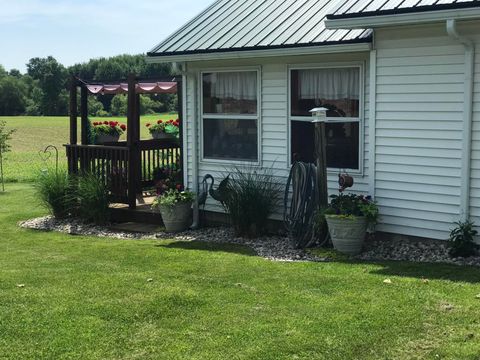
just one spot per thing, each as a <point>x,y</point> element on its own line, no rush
<point>162,136</point>
<point>104,138</point>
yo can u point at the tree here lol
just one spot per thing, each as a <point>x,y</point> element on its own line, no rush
<point>12,96</point>
<point>5,136</point>
<point>119,105</point>
<point>52,79</point>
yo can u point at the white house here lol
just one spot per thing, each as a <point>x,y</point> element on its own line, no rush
<point>400,78</point>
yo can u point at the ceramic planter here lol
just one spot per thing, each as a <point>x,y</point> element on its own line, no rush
<point>162,136</point>
<point>347,233</point>
<point>104,138</point>
<point>176,218</point>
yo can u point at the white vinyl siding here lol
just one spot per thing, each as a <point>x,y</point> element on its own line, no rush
<point>419,114</point>
<point>274,119</point>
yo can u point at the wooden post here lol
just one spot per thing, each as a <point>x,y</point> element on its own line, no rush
<point>84,114</point>
<point>73,111</point>
<point>321,156</point>
<point>132,142</point>
<point>138,154</point>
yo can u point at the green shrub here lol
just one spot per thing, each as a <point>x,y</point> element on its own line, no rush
<point>251,197</point>
<point>462,239</point>
<point>56,192</point>
<point>173,197</point>
<point>93,199</point>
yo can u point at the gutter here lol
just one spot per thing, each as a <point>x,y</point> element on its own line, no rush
<point>363,45</point>
<point>196,211</point>
<point>422,17</point>
<point>469,45</point>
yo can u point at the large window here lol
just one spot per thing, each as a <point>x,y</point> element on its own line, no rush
<point>230,115</point>
<point>338,90</point>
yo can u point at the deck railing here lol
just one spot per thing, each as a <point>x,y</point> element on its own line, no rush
<point>111,163</point>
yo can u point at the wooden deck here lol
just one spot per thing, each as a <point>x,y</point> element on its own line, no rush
<point>143,213</point>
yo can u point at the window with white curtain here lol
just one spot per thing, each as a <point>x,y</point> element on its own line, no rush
<point>230,115</point>
<point>338,90</point>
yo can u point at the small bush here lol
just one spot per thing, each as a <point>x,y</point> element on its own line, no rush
<point>251,197</point>
<point>462,239</point>
<point>93,199</point>
<point>56,192</point>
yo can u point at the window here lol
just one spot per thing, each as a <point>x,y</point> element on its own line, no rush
<point>338,90</point>
<point>230,115</point>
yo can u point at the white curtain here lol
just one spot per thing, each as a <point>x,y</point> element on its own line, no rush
<point>240,85</point>
<point>329,84</point>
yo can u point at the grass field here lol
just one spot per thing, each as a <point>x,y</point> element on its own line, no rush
<point>35,133</point>
<point>90,298</point>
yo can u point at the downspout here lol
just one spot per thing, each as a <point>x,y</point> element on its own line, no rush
<point>194,154</point>
<point>467,117</point>
<point>181,69</point>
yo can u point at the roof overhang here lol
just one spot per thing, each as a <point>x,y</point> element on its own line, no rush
<point>402,19</point>
<point>357,46</point>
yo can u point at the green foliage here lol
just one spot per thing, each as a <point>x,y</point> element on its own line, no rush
<point>348,205</point>
<point>12,96</point>
<point>93,199</point>
<point>52,79</point>
<point>113,128</point>
<point>94,106</point>
<point>5,137</point>
<point>119,105</point>
<point>173,197</point>
<point>56,192</point>
<point>461,239</point>
<point>250,198</point>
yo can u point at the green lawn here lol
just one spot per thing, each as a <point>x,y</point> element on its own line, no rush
<point>35,133</point>
<point>89,298</point>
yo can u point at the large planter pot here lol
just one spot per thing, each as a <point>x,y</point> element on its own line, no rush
<point>176,218</point>
<point>162,136</point>
<point>347,233</point>
<point>103,138</point>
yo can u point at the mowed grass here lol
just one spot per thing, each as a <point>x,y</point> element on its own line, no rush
<point>34,134</point>
<point>91,298</point>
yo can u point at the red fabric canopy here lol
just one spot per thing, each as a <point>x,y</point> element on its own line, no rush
<point>141,88</point>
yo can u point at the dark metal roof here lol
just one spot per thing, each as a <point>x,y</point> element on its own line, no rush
<point>234,25</point>
<point>364,8</point>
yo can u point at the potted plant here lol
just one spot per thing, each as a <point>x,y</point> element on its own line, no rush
<point>108,131</point>
<point>164,129</point>
<point>175,208</point>
<point>348,218</point>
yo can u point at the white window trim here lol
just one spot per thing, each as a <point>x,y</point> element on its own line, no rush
<point>361,112</point>
<point>256,117</point>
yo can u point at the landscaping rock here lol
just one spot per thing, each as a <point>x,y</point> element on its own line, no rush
<point>276,248</point>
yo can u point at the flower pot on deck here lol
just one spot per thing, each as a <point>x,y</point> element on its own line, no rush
<point>162,136</point>
<point>176,218</point>
<point>347,233</point>
<point>104,138</point>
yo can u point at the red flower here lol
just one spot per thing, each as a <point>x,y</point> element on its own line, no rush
<point>170,121</point>
<point>105,122</point>
<point>179,187</point>
<point>159,121</point>
<point>112,126</point>
<point>178,120</point>
<point>123,127</point>
<point>148,125</point>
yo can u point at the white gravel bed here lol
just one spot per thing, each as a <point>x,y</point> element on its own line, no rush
<point>276,248</point>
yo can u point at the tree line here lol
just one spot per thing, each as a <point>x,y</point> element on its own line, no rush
<point>44,89</point>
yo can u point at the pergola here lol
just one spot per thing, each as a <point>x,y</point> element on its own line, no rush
<point>128,166</point>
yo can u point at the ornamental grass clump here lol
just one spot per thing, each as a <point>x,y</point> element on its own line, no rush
<point>250,199</point>
<point>462,239</point>
<point>93,199</point>
<point>57,193</point>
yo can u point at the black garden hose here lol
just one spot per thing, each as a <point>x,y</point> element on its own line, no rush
<point>300,207</point>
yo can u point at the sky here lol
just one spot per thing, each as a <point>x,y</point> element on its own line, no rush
<point>75,31</point>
